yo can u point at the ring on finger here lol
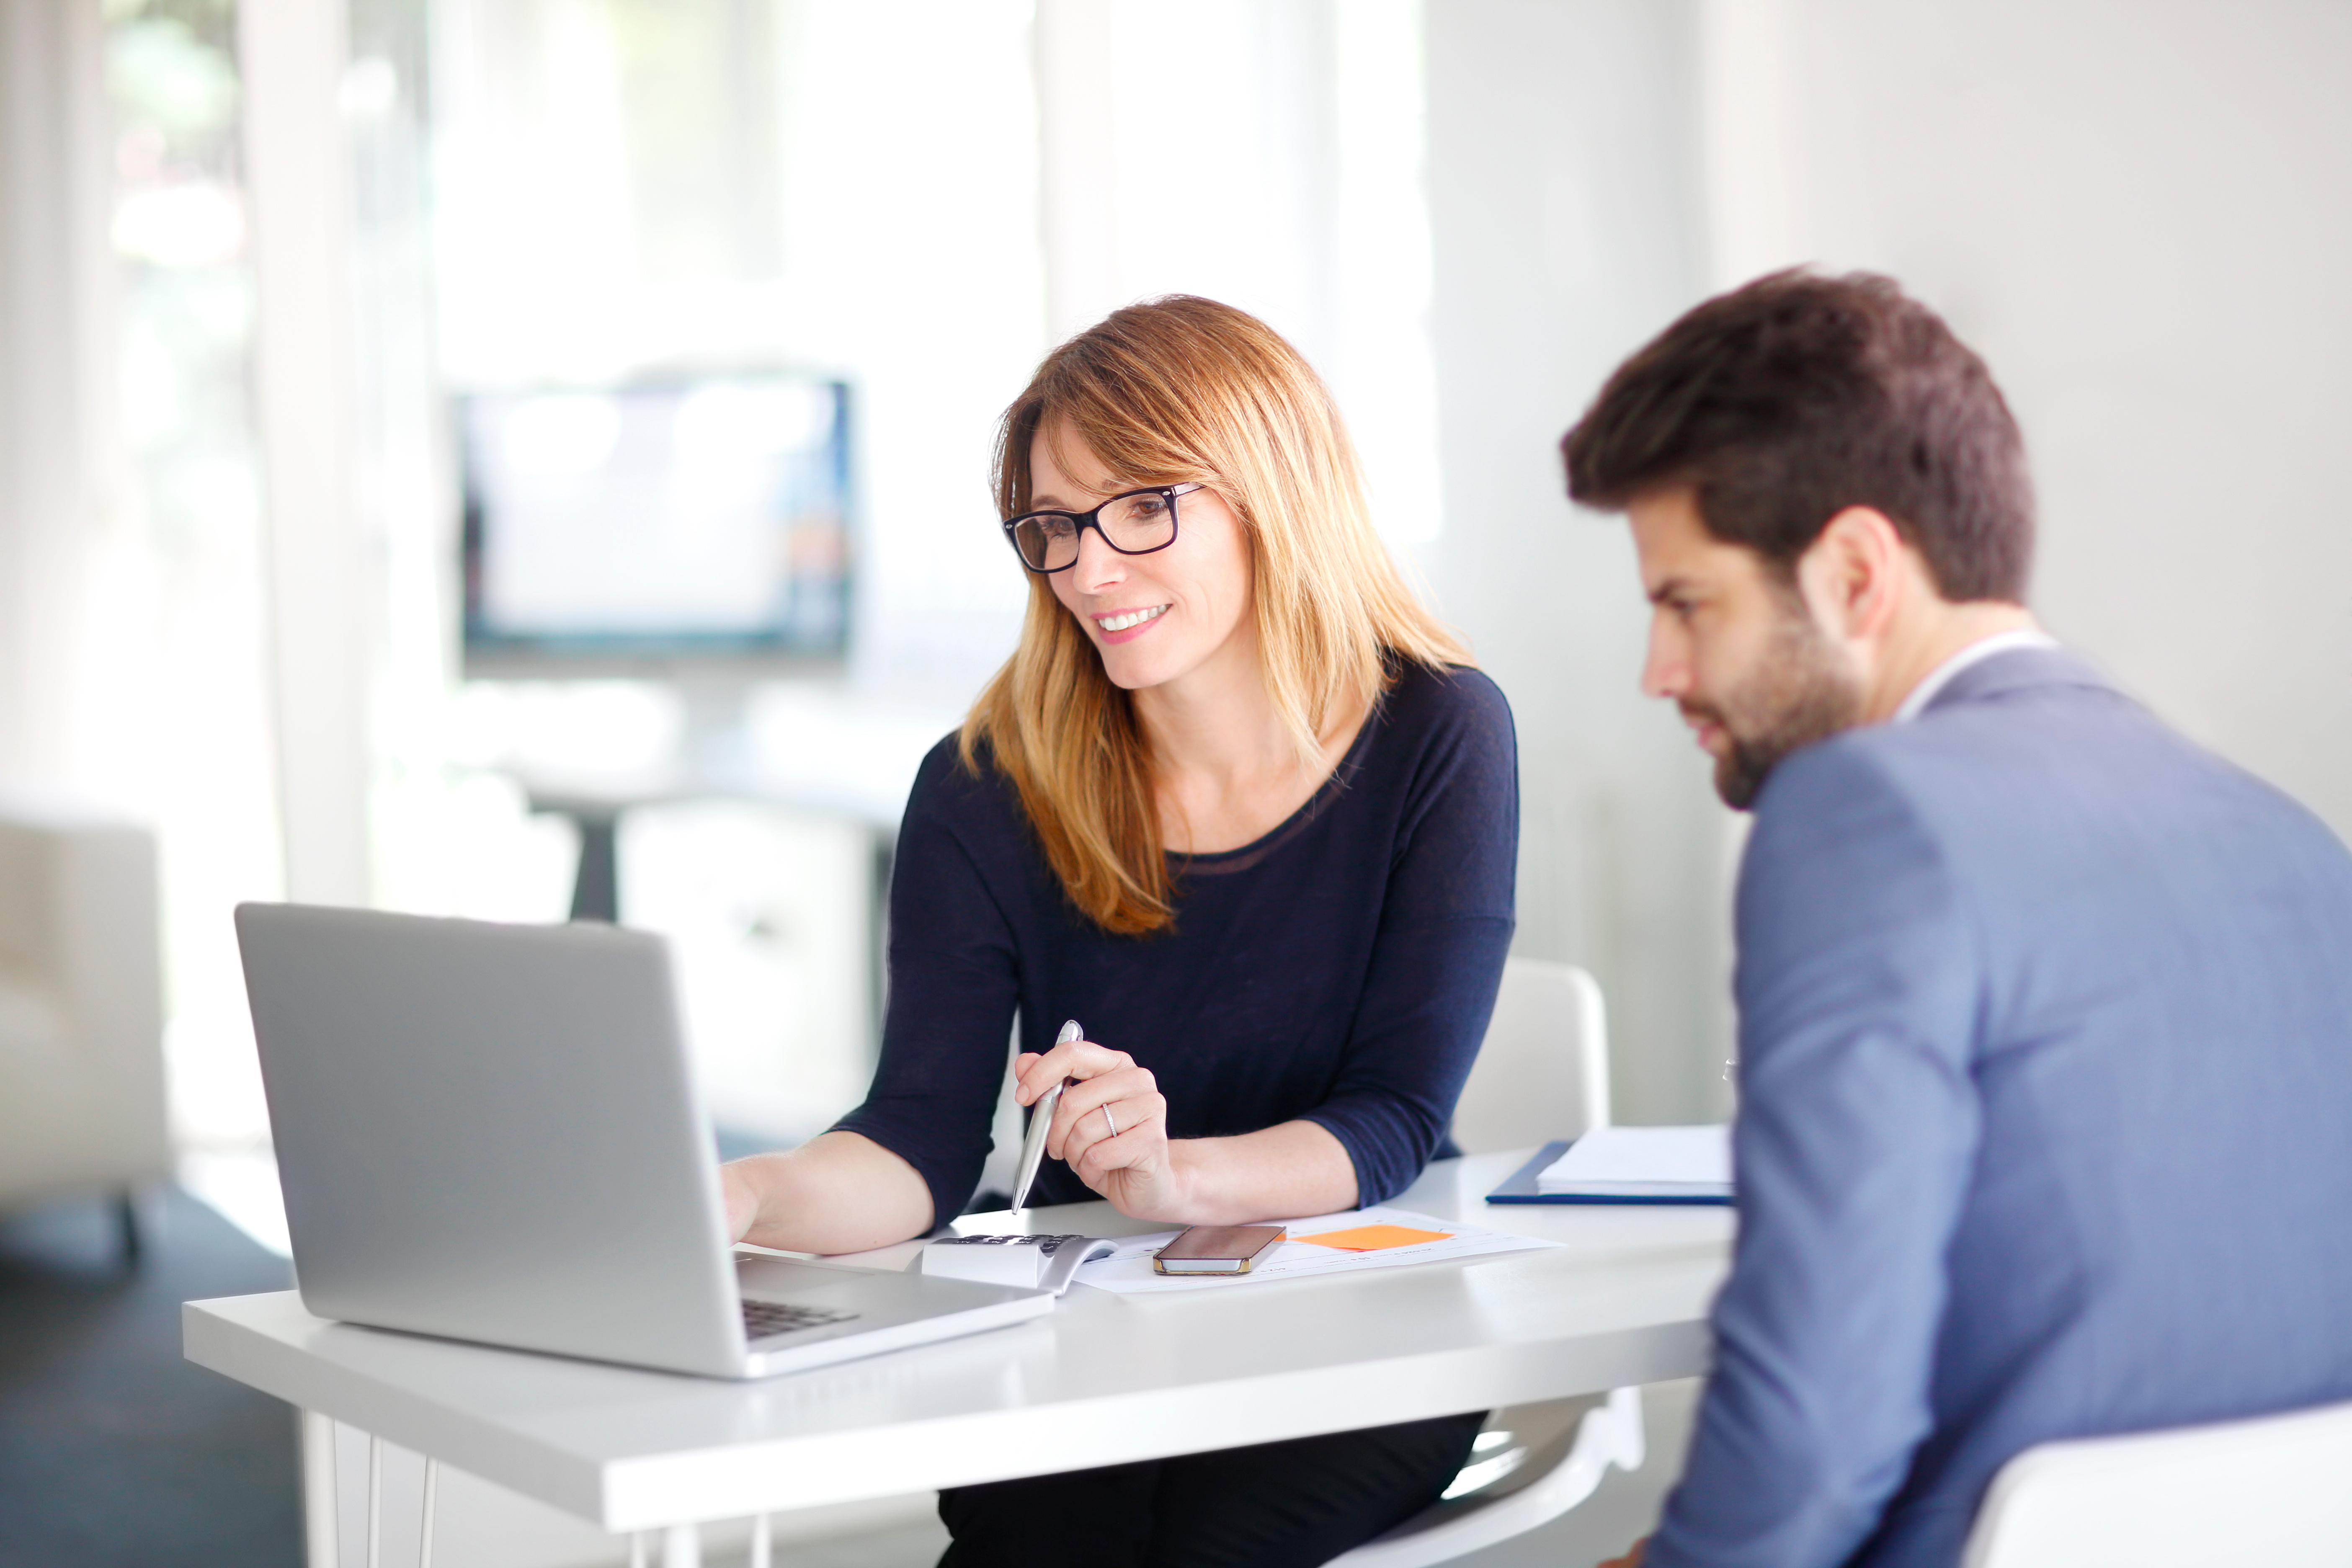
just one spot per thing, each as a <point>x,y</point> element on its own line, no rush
<point>1107,1121</point>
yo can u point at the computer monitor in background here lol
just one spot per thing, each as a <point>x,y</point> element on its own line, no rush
<point>697,530</point>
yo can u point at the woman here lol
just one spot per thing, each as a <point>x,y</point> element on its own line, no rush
<point>1238,804</point>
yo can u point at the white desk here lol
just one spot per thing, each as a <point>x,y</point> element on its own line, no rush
<point>1103,1379</point>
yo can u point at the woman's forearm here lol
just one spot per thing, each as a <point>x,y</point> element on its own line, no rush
<point>840,1192</point>
<point>1291,1170</point>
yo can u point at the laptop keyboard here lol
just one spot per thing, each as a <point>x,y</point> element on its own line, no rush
<point>765,1320</point>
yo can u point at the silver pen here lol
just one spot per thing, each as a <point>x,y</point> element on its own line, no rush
<point>1041,1121</point>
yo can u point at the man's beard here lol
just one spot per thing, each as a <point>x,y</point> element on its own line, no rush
<point>1799,693</point>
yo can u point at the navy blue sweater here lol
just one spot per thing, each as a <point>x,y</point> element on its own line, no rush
<point>1342,969</point>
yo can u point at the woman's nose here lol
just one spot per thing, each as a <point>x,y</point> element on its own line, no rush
<point>1099,566</point>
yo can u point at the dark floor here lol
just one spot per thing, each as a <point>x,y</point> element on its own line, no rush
<point>112,1448</point>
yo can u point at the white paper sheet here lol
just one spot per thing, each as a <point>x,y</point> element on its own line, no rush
<point>1129,1271</point>
<point>1610,1160</point>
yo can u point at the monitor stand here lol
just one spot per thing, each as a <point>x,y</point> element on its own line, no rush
<point>715,756</point>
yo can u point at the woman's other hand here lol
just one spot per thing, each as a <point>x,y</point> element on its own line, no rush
<point>1111,1126</point>
<point>840,1192</point>
<point>1633,1558</point>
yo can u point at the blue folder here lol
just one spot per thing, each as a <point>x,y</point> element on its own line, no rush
<point>1521,1187</point>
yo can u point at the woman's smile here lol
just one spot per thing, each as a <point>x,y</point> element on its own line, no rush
<point>1126,625</point>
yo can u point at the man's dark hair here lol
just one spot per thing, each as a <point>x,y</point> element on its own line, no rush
<point>1796,395</point>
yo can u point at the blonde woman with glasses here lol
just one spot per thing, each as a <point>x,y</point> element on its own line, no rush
<point>1238,803</point>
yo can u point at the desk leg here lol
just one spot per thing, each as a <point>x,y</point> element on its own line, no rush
<point>763,1539</point>
<point>425,1527</point>
<point>319,1545</point>
<point>682,1546</point>
<point>376,1502</point>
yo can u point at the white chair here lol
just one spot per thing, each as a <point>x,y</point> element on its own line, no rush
<point>1543,1069</point>
<point>2275,1491</point>
<point>81,1062</point>
<point>1542,1073</point>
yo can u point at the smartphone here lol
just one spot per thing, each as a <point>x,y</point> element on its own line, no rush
<point>1217,1249</point>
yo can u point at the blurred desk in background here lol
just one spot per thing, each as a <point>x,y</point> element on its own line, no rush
<point>827,757</point>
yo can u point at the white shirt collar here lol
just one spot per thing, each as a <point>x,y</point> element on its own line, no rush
<point>1975,653</point>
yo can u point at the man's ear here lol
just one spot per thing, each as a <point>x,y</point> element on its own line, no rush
<point>1854,573</point>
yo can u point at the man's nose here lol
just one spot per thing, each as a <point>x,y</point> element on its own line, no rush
<point>1665,669</point>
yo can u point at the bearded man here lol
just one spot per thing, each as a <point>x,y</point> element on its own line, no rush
<point>2045,1015</point>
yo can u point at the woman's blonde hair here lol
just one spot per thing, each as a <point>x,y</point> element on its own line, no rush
<point>1175,391</point>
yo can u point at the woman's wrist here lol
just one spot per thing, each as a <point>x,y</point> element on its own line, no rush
<point>1183,1204</point>
<point>1216,1181</point>
<point>1293,1169</point>
<point>755,1203</point>
<point>739,1189</point>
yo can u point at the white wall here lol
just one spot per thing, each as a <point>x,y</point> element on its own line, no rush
<point>1274,162</point>
<point>57,387</point>
<point>2141,213</point>
<point>1568,227</point>
<point>290,65</point>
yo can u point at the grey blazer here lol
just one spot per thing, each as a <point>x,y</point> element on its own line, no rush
<point>2046,1126</point>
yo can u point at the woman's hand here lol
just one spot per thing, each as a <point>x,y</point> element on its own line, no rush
<point>1111,1126</point>
<point>1633,1559</point>
<point>737,1186</point>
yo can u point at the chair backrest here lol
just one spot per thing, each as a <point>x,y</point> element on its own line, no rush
<point>2275,1491</point>
<point>1543,1071</point>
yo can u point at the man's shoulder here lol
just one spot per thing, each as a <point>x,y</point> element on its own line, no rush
<point>2028,748</point>
<point>1994,721</point>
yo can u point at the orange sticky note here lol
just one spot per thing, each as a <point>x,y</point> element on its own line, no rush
<point>1373,1237</point>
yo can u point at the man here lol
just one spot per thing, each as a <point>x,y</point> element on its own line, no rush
<point>2045,1015</point>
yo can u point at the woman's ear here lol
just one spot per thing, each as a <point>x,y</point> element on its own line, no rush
<point>1854,574</point>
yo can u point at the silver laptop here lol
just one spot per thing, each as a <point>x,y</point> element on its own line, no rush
<point>491,1133</point>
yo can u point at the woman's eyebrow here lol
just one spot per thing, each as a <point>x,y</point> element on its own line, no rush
<point>1046,501</point>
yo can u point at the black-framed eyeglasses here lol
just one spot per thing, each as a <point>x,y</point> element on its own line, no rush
<point>1135,523</point>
